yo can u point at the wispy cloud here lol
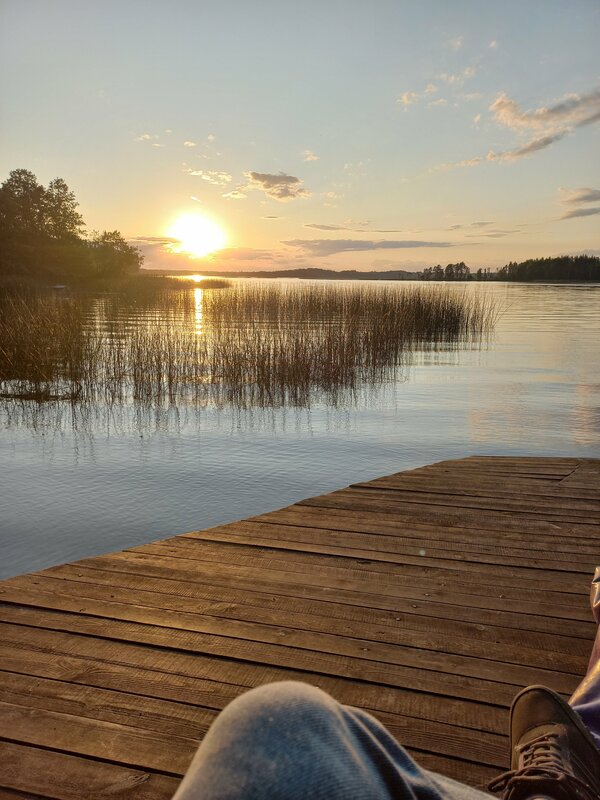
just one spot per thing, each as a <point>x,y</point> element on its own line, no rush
<point>580,197</point>
<point>456,43</point>
<point>547,124</point>
<point>533,146</point>
<point>458,78</point>
<point>572,111</point>
<point>277,186</point>
<point>236,194</point>
<point>356,227</point>
<point>147,137</point>
<point>458,227</point>
<point>493,45</point>
<point>581,212</point>
<point>189,143</point>
<point>408,98</point>
<point>211,176</point>
<point>329,247</point>
<point>308,155</point>
<point>583,195</point>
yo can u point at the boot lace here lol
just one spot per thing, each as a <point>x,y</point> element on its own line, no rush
<point>543,770</point>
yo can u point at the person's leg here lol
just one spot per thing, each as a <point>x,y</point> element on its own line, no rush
<point>291,741</point>
<point>586,698</point>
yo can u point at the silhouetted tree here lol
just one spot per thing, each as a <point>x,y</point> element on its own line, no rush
<point>41,235</point>
<point>576,269</point>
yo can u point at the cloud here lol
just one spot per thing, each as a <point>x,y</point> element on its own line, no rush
<point>540,143</point>
<point>325,227</point>
<point>211,137</point>
<point>458,78</point>
<point>189,143</point>
<point>270,216</point>
<point>308,155</point>
<point>477,119</point>
<point>493,45</point>
<point>211,176</point>
<point>430,88</point>
<point>157,144</point>
<point>357,227</point>
<point>145,137</point>
<point>408,98</point>
<point>456,43</point>
<point>439,102</point>
<point>470,225</point>
<point>236,194</point>
<point>581,212</point>
<point>492,234</point>
<point>278,186</point>
<point>572,111</point>
<point>329,247</point>
<point>583,195</point>
<point>546,125</point>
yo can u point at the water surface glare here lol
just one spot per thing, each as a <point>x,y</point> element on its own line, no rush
<point>73,486</point>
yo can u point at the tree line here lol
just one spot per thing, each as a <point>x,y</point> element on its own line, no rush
<point>42,236</point>
<point>573,269</point>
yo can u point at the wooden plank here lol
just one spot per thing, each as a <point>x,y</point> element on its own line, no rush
<point>298,611</point>
<point>382,595</point>
<point>573,637</point>
<point>478,485</point>
<point>479,579</point>
<point>34,694</point>
<point>478,539</point>
<point>462,676</point>
<point>524,509</point>
<point>109,741</point>
<point>147,611</point>
<point>66,777</point>
<point>179,719</point>
<point>371,548</point>
<point>450,515</point>
<point>201,683</point>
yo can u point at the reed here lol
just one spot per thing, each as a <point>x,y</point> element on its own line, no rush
<point>247,344</point>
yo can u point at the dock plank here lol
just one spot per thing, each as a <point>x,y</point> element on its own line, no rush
<point>428,597</point>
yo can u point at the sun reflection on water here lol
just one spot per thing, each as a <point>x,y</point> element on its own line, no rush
<point>198,311</point>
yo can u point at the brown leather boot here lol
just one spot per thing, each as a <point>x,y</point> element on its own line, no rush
<point>554,756</point>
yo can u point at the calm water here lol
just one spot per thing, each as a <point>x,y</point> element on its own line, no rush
<point>71,488</point>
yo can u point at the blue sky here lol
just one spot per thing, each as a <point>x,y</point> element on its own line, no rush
<point>347,134</point>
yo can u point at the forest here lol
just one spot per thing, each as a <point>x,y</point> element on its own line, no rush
<point>43,238</point>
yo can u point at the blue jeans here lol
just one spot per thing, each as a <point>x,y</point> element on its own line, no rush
<point>292,741</point>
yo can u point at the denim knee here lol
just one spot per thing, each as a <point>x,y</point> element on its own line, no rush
<point>285,703</point>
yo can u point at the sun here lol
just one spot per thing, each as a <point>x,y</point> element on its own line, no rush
<point>196,235</point>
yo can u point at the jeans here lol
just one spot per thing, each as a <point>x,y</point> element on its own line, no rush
<point>292,741</point>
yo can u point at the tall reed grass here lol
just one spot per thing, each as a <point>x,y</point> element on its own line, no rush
<point>248,344</point>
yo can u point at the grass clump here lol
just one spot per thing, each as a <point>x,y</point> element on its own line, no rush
<point>249,344</point>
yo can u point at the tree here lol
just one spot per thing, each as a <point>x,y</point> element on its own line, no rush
<point>61,218</point>
<point>41,235</point>
<point>112,256</point>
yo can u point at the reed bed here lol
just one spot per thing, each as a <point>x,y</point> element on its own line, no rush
<point>250,344</point>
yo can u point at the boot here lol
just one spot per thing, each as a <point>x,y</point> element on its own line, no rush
<point>554,756</point>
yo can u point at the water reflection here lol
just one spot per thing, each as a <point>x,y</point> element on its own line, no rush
<point>88,477</point>
<point>198,313</point>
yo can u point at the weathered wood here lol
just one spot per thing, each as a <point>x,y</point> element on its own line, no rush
<point>427,598</point>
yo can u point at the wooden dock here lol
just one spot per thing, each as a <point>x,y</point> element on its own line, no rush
<point>429,598</point>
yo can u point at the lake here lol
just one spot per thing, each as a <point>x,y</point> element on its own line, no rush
<point>72,487</point>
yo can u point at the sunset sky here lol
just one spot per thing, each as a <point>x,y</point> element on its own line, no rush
<point>329,133</point>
